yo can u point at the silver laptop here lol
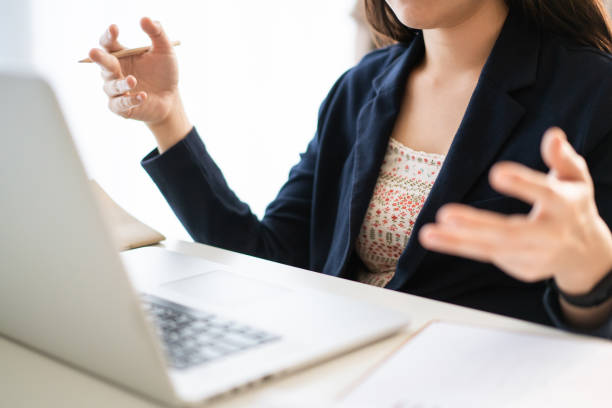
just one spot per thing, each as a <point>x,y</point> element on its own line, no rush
<point>178,329</point>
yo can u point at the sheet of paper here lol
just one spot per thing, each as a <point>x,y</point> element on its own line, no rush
<point>127,231</point>
<point>451,365</point>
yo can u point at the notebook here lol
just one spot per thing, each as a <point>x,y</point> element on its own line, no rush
<point>453,365</point>
<point>127,231</point>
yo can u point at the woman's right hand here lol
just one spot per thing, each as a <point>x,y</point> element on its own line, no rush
<point>144,87</point>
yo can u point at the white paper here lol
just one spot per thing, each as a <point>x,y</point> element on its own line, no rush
<point>451,365</point>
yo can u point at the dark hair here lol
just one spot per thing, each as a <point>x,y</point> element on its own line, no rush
<point>585,21</point>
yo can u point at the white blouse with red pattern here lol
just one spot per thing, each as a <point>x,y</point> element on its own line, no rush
<point>404,182</point>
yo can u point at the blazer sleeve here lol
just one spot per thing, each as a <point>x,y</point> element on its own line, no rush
<point>210,211</point>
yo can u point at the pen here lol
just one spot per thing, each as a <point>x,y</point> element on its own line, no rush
<point>128,52</point>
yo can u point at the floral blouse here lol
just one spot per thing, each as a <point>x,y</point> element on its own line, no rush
<point>404,182</point>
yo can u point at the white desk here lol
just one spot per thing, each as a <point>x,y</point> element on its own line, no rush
<point>28,379</point>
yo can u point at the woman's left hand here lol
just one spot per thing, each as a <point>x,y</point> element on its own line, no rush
<point>563,237</point>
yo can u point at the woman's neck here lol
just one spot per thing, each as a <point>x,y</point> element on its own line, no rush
<point>464,46</point>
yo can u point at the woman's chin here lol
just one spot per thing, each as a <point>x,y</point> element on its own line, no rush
<point>419,20</point>
<point>430,14</point>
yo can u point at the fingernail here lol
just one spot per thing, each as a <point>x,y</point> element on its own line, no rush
<point>109,36</point>
<point>124,86</point>
<point>500,173</point>
<point>429,237</point>
<point>139,98</point>
<point>567,150</point>
<point>561,134</point>
<point>445,214</point>
<point>448,219</point>
<point>504,180</point>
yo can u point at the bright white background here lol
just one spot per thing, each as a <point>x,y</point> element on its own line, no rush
<point>253,74</point>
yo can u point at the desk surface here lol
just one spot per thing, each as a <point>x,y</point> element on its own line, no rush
<point>28,379</point>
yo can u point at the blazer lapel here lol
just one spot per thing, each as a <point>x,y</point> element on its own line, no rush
<point>489,121</point>
<point>374,126</point>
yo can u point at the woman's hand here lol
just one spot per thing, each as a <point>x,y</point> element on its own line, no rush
<point>144,87</point>
<point>563,237</point>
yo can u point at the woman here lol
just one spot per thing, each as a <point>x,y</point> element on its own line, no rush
<point>472,82</point>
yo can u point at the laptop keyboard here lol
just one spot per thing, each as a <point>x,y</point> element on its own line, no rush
<point>192,337</point>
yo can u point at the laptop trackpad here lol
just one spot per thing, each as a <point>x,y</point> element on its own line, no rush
<point>223,288</point>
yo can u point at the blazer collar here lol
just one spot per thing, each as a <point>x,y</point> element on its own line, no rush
<point>394,77</point>
<point>489,121</point>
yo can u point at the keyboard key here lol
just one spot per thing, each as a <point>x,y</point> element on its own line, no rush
<point>240,340</point>
<point>192,337</point>
<point>210,353</point>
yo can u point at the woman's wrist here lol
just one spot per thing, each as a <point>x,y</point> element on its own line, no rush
<point>600,293</point>
<point>173,128</point>
<point>585,317</point>
<point>588,309</point>
<point>584,295</point>
<point>596,262</point>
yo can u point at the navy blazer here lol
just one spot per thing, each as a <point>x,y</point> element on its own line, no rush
<point>532,80</point>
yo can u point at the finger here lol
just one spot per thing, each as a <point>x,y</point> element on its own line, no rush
<point>518,262</point>
<point>438,239</point>
<point>485,226</point>
<point>117,87</point>
<point>513,231</point>
<point>122,104</point>
<point>521,182</point>
<point>561,157</point>
<point>468,217</point>
<point>108,40</point>
<point>107,75</point>
<point>479,242</point>
<point>158,37</point>
<point>107,62</point>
